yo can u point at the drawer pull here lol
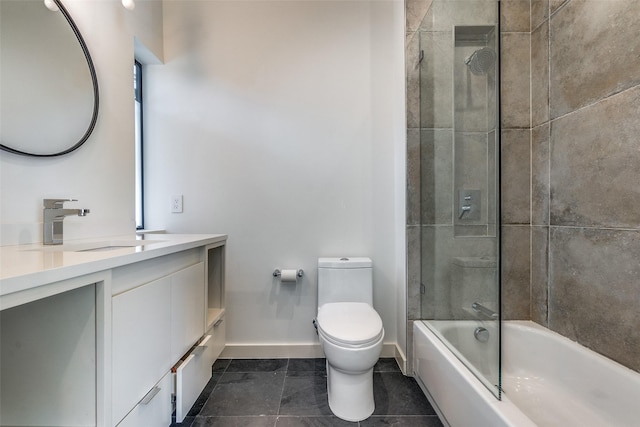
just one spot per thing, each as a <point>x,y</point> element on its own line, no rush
<point>203,345</point>
<point>215,325</point>
<point>205,341</point>
<point>149,396</point>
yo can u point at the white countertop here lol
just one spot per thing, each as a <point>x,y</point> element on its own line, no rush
<point>24,267</point>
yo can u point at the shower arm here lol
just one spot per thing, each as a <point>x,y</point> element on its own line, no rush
<point>479,308</point>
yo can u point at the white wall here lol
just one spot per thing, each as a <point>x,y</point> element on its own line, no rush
<point>101,173</point>
<point>282,124</point>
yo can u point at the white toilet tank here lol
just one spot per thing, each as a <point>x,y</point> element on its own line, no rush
<point>345,280</point>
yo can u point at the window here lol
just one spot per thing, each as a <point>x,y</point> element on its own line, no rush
<point>137,87</point>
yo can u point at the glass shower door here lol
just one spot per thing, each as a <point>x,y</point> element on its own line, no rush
<point>459,168</point>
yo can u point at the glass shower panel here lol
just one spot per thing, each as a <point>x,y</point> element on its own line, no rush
<point>459,75</point>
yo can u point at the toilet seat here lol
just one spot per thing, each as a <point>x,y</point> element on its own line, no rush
<point>349,324</point>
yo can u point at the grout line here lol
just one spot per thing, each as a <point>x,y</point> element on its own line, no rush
<point>284,381</point>
<point>576,227</point>
<point>558,9</point>
<point>594,103</point>
<point>548,276</point>
<point>585,227</point>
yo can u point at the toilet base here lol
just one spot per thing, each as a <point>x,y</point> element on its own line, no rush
<point>350,395</point>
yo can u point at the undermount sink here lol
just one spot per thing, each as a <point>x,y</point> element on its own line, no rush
<point>101,246</point>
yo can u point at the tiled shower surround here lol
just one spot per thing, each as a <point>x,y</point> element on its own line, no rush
<point>570,172</point>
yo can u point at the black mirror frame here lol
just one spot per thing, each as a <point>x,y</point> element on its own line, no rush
<point>94,80</point>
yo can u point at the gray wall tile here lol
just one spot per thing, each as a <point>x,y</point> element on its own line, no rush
<point>492,182</point>
<point>594,52</point>
<point>539,12</point>
<point>595,167</point>
<point>580,282</point>
<point>443,14</point>
<point>470,172</point>
<point>415,11</point>
<point>515,15</point>
<point>540,75</point>
<point>539,274</point>
<point>515,80</point>
<point>594,292</point>
<point>437,176</point>
<point>431,274</point>
<point>439,247</point>
<point>412,71</point>
<point>472,100</point>
<point>554,5</point>
<point>516,272</point>
<point>540,175</point>
<point>413,176</point>
<point>436,80</point>
<point>516,172</point>
<point>413,272</point>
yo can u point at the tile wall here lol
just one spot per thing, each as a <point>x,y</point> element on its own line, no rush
<point>585,175</point>
<point>570,97</point>
<point>515,106</point>
<point>436,122</point>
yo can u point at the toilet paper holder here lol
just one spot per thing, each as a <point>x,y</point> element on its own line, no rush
<point>278,273</point>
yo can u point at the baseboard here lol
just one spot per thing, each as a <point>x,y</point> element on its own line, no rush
<point>401,359</point>
<point>271,351</point>
<point>289,351</point>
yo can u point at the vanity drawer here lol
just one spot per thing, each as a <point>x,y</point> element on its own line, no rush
<point>194,372</point>
<point>154,410</point>
<point>187,309</point>
<point>141,348</point>
<point>190,379</point>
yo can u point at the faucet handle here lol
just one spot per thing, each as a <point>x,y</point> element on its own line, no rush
<point>56,203</point>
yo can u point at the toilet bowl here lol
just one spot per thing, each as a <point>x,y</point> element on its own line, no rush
<point>351,335</point>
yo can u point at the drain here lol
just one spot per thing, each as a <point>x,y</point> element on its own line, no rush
<point>481,334</point>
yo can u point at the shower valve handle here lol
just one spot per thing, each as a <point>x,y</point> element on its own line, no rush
<point>463,210</point>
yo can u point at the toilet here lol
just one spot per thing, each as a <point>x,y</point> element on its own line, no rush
<point>350,333</point>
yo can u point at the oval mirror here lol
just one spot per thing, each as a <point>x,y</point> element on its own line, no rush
<point>48,84</point>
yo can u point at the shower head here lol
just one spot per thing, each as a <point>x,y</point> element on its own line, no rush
<point>481,61</point>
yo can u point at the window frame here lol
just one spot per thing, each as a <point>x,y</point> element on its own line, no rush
<point>139,144</point>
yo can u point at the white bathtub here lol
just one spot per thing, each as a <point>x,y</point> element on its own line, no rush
<point>547,380</point>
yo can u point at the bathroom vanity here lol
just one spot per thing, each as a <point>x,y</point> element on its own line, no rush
<point>106,333</point>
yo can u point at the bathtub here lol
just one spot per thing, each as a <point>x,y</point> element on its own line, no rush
<point>547,379</point>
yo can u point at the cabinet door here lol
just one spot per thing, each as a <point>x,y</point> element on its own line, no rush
<point>187,309</point>
<point>155,408</point>
<point>141,349</point>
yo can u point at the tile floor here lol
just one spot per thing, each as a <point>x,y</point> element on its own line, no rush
<point>293,392</point>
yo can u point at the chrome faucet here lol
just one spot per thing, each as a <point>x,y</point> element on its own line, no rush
<point>53,215</point>
<point>481,309</point>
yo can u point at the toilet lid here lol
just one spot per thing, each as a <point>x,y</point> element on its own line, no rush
<point>350,322</point>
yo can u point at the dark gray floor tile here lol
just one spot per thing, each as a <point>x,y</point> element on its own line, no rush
<point>206,392</point>
<point>253,392</point>
<point>315,365</point>
<point>329,421</point>
<point>248,393</point>
<point>220,365</point>
<point>386,365</point>
<point>305,393</point>
<point>266,421</point>
<point>396,394</point>
<point>402,421</point>
<point>257,365</point>
<point>187,422</point>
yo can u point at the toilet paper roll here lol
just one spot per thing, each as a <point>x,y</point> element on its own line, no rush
<point>289,276</point>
